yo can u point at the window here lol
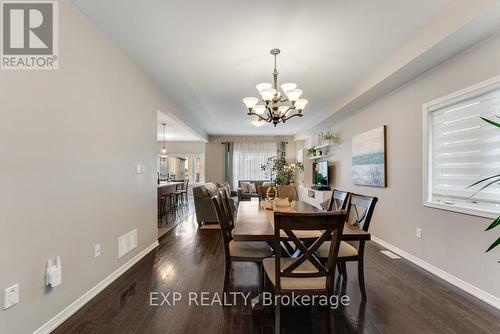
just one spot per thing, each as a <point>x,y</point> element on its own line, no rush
<point>247,159</point>
<point>461,149</point>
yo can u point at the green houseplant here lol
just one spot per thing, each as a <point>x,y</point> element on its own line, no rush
<point>311,152</point>
<point>328,137</point>
<point>487,182</point>
<point>280,171</point>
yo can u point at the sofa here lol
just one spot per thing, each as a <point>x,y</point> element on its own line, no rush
<point>246,196</point>
<point>202,195</point>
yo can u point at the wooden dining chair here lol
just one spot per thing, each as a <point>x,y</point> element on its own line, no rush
<point>237,251</point>
<point>360,214</point>
<point>305,274</point>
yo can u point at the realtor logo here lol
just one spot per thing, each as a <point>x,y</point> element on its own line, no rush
<point>30,35</point>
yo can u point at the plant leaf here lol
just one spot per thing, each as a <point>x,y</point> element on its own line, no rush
<point>481,181</point>
<point>491,122</point>
<point>485,186</point>
<point>493,245</point>
<point>495,223</point>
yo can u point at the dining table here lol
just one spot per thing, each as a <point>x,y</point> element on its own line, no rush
<point>255,221</point>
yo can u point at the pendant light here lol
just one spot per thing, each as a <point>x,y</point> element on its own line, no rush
<point>164,148</point>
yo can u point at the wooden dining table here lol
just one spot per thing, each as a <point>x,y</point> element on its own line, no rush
<point>255,221</point>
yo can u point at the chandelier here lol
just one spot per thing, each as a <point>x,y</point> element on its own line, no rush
<point>276,107</point>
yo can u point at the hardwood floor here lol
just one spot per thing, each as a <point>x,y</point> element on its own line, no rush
<point>402,298</point>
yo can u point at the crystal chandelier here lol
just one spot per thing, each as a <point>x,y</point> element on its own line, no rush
<point>277,107</point>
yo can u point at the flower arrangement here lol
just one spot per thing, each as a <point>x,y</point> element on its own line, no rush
<point>280,171</point>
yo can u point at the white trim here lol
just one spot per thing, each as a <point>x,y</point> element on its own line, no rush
<point>62,316</point>
<point>462,285</point>
<point>455,97</point>
<point>461,209</point>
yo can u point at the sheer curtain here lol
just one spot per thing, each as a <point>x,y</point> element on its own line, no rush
<point>247,159</point>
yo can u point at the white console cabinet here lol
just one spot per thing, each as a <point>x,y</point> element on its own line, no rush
<point>314,197</point>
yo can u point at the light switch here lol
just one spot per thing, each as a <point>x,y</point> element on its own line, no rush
<point>10,296</point>
<point>97,250</point>
<point>140,169</point>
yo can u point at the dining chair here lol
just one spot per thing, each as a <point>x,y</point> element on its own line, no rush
<point>304,274</point>
<point>361,209</point>
<point>237,251</point>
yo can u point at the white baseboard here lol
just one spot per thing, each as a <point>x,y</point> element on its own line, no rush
<point>53,323</point>
<point>467,287</point>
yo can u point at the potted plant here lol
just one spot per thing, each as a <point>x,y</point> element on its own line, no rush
<point>328,137</point>
<point>311,152</point>
<point>280,171</point>
<point>485,183</point>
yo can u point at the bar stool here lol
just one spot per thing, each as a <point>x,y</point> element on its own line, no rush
<point>161,205</point>
<point>179,193</point>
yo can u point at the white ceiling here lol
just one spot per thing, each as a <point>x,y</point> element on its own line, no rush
<point>174,129</point>
<point>207,55</point>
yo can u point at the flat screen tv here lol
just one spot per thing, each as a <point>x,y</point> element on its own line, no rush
<point>320,175</point>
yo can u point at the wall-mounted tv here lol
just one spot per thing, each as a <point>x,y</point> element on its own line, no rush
<point>320,176</point>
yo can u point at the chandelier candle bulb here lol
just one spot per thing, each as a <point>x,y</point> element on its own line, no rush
<point>263,86</point>
<point>268,94</point>
<point>283,109</point>
<point>250,102</point>
<point>288,86</point>
<point>259,109</point>
<point>294,94</point>
<point>300,104</point>
<point>278,106</point>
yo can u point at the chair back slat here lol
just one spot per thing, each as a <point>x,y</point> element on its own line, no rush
<point>330,223</point>
<point>361,210</point>
<point>338,201</point>
<point>228,207</point>
<point>223,219</point>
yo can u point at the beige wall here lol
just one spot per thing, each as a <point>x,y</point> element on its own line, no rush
<point>214,152</point>
<point>183,147</point>
<point>452,242</point>
<point>69,143</point>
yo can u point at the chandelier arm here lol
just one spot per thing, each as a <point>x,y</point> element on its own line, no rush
<point>269,113</point>
<point>297,114</point>
<point>251,113</point>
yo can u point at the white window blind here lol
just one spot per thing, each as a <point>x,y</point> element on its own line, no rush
<point>248,158</point>
<point>463,149</point>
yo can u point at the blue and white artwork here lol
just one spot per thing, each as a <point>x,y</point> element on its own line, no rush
<point>368,158</point>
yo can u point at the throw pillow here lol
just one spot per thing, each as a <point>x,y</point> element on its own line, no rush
<point>244,186</point>
<point>267,184</point>
<point>251,188</point>
<point>212,189</point>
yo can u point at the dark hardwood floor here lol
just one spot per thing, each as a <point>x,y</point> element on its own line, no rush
<point>402,298</point>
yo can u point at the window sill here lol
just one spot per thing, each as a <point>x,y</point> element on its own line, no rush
<point>463,210</point>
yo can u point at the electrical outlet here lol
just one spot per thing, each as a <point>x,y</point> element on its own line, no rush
<point>97,250</point>
<point>10,296</point>
<point>419,233</point>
